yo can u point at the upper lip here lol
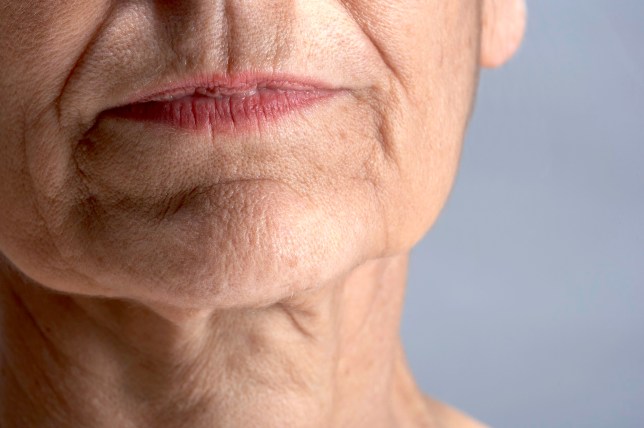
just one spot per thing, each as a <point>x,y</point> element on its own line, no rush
<point>225,85</point>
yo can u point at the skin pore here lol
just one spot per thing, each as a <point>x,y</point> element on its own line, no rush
<point>151,277</point>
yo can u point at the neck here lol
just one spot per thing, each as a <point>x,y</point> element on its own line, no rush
<point>325,358</point>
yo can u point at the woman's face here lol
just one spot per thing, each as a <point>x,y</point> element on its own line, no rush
<point>226,212</point>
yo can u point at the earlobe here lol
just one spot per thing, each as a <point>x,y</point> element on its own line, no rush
<point>503,26</point>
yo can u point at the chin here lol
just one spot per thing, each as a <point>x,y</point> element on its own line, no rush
<point>245,244</point>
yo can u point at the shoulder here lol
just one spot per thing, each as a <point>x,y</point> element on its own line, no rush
<point>448,417</point>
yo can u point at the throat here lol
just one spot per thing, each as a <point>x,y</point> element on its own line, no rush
<point>331,357</point>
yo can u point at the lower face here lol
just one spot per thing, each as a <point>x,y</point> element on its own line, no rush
<point>206,156</point>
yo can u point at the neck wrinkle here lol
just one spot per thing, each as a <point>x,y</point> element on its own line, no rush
<point>324,358</point>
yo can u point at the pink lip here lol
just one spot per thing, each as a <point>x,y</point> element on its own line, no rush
<point>223,104</point>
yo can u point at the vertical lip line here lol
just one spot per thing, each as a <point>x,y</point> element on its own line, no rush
<point>221,105</point>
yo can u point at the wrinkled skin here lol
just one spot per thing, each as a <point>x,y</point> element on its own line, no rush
<point>204,221</point>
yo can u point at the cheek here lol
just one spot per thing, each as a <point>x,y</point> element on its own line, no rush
<point>40,43</point>
<point>37,184</point>
<point>424,125</point>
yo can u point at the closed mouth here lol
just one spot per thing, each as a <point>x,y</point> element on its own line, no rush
<point>223,104</point>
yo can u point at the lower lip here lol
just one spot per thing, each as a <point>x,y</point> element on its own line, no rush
<point>223,112</point>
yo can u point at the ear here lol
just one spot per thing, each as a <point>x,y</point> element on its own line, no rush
<point>504,24</point>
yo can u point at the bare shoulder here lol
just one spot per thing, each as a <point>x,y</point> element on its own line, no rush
<point>448,417</point>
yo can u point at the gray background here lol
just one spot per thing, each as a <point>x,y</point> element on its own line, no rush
<point>525,304</point>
